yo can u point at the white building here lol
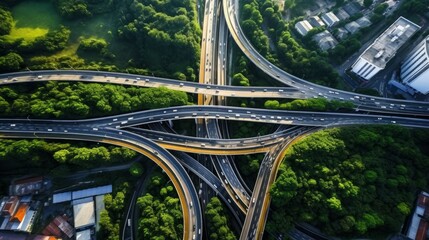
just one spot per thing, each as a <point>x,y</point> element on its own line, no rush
<point>384,48</point>
<point>330,19</point>
<point>303,27</point>
<point>415,68</point>
<point>84,212</point>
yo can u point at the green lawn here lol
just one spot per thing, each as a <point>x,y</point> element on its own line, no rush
<point>33,19</point>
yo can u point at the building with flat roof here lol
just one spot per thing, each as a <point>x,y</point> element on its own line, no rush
<point>303,27</point>
<point>83,235</point>
<point>84,214</point>
<point>418,227</point>
<point>33,185</point>
<point>330,19</point>
<point>384,48</point>
<point>69,196</point>
<point>415,68</point>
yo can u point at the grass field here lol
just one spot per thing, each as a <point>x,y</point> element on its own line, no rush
<point>33,19</point>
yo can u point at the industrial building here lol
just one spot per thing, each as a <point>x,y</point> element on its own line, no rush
<point>384,48</point>
<point>415,68</point>
<point>303,27</point>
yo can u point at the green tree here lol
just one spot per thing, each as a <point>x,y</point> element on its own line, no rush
<point>12,62</point>
<point>136,169</point>
<point>6,21</point>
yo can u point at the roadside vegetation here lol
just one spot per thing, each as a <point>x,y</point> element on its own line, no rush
<point>160,215</point>
<point>76,100</point>
<point>349,181</point>
<point>111,217</point>
<point>145,37</point>
<point>271,36</point>
<point>217,221</point>
<point>58,157</point>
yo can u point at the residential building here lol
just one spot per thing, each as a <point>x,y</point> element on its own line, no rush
<point>352,8</point>
<point>17,215</point>
<point>330,19</point>
<point>303,27</point>
<point>352,27</point>
<point>384,48</point>
<point>364,22</point>
<point>58,226</point>
<point>341,14</point>
<point>415,68</point>
<point>325,40</point>
<point>315,21</point>
<point>26,186</point>
<point>341,33</point>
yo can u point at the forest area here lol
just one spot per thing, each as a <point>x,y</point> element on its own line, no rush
<point>71,100</point>
<point>351,181</point>
<point>145,37</point>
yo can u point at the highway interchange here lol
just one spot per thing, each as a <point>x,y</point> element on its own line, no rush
<point>249,208</point>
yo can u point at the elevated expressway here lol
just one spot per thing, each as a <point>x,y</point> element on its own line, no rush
<point>109,130</point>
<point>362,102</point>
<point>70,131</point>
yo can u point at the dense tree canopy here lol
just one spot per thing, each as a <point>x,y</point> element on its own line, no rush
<point>163,31</point>
<point>111,216</point>
<point>47,154</point>
<point>6,21</point>
<point>73,8</point>
<point>83,100</point>
<point>12,62</point>
<point>161,214</point>
<point>312,104</point>
<point>350,181</point>
<point>217,221</point>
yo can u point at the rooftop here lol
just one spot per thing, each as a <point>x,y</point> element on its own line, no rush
<point>20,212</point>
<point>387,44</point>
<point>84,214</point>
<point>83,235</point>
